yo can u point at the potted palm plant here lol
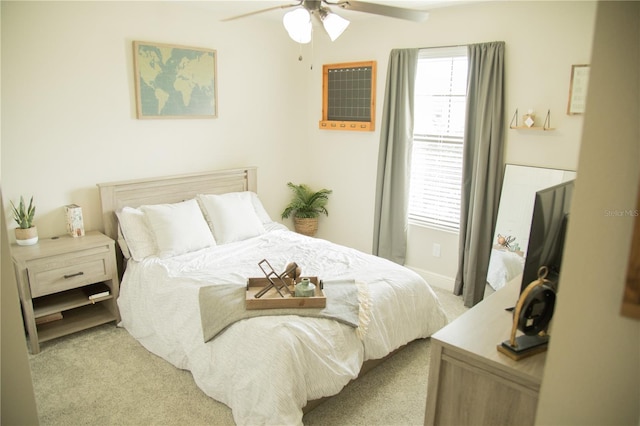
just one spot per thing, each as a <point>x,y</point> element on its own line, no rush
<point>306,205</point>
<point>26,232</point>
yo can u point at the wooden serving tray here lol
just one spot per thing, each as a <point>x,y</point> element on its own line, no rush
<point>272,300</point>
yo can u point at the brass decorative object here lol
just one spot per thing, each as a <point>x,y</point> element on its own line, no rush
<point>532,315</point>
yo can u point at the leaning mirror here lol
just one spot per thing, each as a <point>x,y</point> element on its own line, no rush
<point>511,236</point>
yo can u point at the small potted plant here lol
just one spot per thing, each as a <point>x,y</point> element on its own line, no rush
<point>26,232</point>
<point>306,205</point>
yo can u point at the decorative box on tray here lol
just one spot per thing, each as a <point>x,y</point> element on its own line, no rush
<point>272,299</point>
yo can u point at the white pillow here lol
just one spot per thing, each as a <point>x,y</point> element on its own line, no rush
<point>137,236</point>
<point>178,228</point>
<point>259,208</point>
<point>122,243</point>
<point>232,216</point>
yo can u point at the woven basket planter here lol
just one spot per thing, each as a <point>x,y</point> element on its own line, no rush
<point>306,226</point>
<point>26,237</point>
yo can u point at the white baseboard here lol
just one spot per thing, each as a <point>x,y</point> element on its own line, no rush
<point>435,280</point>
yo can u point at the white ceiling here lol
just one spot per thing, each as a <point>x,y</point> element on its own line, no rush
<point>228,9</point>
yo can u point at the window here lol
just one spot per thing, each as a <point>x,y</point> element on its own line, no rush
<point>436,161</point>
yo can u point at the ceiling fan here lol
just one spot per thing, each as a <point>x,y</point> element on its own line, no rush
<point>298,21</point>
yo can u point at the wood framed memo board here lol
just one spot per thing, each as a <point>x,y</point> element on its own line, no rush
<point>349,96</point>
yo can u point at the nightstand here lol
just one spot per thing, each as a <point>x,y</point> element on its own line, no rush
<point>66,284</point>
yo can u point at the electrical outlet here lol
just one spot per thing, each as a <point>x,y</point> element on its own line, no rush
<point>436,250</point>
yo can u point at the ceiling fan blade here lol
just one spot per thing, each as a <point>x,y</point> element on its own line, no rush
<point>284,6</point>
<point>382,9</point>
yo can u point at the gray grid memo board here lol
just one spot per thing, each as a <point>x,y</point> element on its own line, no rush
<point>349,94</point>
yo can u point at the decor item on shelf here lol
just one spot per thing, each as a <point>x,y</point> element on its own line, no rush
<point>529,118</point>
<point>528,121</point>
<point>300,28</point>
<point>306,205</point>
<point>75,223</point>
<point>26,232</point>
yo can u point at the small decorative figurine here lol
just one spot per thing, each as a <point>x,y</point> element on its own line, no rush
<point>505,241</point>
<point>305,289</point>
<point>529,118</point>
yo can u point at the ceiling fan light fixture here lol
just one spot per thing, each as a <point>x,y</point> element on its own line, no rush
<point>298,25</point>
<point>333,24</point>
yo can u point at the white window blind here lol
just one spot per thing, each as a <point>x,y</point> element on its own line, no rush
<point>436,162</point>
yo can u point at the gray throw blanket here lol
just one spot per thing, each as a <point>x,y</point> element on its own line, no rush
<point>223,305</point>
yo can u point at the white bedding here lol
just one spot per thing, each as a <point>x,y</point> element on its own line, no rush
<point>504,265</point>
<point>267,368</point>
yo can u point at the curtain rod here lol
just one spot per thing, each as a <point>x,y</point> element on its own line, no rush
<point>444,47</point>
<point>458,45</point>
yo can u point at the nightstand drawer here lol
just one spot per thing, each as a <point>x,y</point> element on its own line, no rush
<point>59,273</point>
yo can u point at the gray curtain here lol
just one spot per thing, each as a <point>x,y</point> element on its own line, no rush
<point>482,168</point>
<point>394,157</point>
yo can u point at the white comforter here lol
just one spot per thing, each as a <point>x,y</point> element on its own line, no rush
<point>267,368</point>
<point>503,267</point>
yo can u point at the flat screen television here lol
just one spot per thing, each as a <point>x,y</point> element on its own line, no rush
<point>547,234</point>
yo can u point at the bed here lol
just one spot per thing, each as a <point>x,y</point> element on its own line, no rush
<point>271,367</point>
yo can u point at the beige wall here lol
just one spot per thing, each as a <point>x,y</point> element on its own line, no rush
<point>69,110</point>
<point>17,402</point>
<point>592,374</point>
<point>543,39</point>
<point>17,405</point>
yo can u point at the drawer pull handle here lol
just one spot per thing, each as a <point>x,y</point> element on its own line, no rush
<point>77,274</point>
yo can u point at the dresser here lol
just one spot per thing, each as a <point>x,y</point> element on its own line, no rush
<point>470,382</point>
<point>65,285</point>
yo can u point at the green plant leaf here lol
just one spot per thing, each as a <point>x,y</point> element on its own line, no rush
<point>305,202</point>
<point>22,214</point>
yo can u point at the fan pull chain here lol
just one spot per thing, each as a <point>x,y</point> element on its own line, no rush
<point>312,50</point>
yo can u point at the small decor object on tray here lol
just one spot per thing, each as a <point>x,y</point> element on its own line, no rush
<point>284,290</point>
<point>505,241</point>
<point>275,281</point>
<point>305,289</point>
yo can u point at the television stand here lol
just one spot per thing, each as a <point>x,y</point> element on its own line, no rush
<point>470,382</point>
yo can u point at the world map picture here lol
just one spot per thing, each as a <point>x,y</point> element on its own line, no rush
<point>174,81</point>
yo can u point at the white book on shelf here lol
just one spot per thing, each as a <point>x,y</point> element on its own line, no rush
<point>99,295</point>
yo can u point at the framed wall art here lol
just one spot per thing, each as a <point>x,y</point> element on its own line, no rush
<point>578,89</point>
<point>349,96</point>
<point>631,298</point>
<point>174,81</point>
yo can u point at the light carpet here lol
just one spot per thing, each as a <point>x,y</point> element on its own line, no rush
<point>103,376</point>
